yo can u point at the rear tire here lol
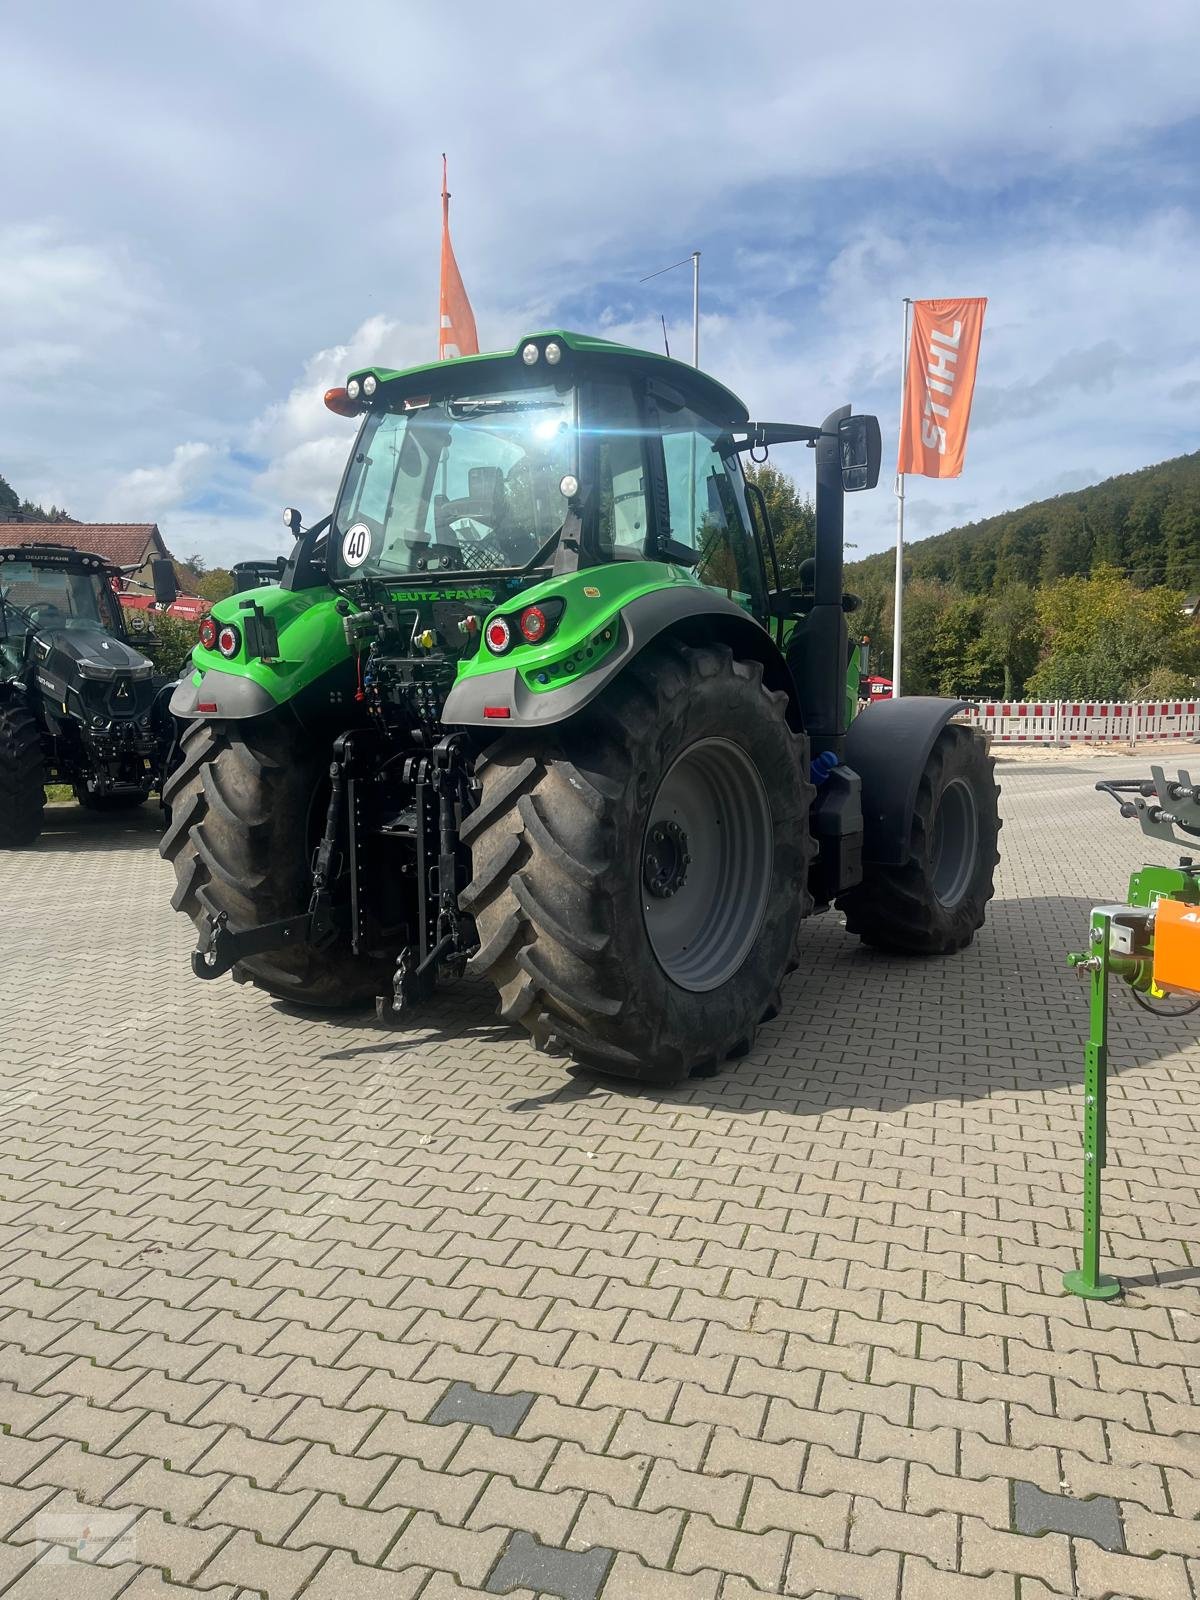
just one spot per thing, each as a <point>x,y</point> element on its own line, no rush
<point>584,834</point>
<point>22,778</point>
<point>246,812</point>
<point>936,900</point>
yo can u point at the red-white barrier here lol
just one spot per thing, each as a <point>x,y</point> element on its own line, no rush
<point>1084,721</point>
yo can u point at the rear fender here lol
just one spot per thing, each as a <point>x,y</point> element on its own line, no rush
<point>501,698</point>
<point>888,746</point>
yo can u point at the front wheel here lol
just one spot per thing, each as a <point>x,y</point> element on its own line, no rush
<point>639,872</point>
<point>934,902</point>
<point>22,778</point>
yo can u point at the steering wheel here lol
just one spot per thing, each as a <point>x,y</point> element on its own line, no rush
<point>468,510</point>
<point>11,605</point>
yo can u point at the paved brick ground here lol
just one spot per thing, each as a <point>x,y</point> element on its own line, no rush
<point>301,1307</point>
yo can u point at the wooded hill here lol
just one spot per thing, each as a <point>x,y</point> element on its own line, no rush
<point>1084,594</point>
<point>1145,524</point>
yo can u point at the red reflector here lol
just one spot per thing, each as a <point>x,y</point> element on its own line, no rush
<point>497,711</point>
<point>207,705</point>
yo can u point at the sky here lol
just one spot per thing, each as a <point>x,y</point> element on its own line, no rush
<point>212,211</point>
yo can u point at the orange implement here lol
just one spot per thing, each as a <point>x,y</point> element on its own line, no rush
<point>1177,947</point>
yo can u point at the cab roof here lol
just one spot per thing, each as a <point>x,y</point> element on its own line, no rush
<point>65,556</point>
<point>457,372</point>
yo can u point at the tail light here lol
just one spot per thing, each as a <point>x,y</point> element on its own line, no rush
<point>208,634</point>
<point>534,624</point>
<point>229,641</point>
<point>499,636</point>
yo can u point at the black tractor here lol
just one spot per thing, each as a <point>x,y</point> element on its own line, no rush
<point>78,704</point>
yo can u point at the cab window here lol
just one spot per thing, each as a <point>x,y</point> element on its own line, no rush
<point>618,439</point>
<point>707,506</point>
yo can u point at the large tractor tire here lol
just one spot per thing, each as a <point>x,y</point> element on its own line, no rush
<point>247,805</point>
<point>935,901</point>
<point>638,873</point>
<point>22,778</point>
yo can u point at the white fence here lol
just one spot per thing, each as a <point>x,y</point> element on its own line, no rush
<point>1085,721</point>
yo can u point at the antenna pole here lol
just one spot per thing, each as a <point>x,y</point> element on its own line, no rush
<point>695,308</point>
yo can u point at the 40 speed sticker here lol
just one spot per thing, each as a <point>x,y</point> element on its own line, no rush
<point>356,544</point>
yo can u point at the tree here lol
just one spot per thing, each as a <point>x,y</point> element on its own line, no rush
<point>1011,637</point>
<point>214,584</point>
<point>793,520</point>
<point>1108,638</point>
<point>14,509</point>
<point>172,642</point>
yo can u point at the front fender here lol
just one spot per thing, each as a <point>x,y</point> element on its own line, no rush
<point>888,745</point>
<point>501,698</point>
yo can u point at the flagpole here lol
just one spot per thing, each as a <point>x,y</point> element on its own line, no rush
<point>898,610</point>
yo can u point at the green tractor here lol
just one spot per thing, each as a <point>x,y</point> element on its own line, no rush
<point>532,700</point>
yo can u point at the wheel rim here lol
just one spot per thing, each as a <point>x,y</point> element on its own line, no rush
<point>955,842</point>
<point>706,861</point>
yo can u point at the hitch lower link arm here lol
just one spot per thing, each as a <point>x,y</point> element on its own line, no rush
<point>221,948</point>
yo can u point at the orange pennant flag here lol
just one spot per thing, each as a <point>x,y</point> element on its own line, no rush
<point>456,325</point>
<point>940,383</point>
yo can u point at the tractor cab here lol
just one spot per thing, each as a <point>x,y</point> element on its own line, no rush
<point>485,477</point>
<point>44,594</point>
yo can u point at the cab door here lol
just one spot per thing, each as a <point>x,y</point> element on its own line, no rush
<point>704,500</point>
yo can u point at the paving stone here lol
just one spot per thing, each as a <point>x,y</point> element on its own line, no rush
<point>571,1574</point>
<point>502,1413</point>
<point>342,1578</point>
<point>629,1579</point>
<point>1098,1519</point>
<point>264,1249</point>
<point>1101,1572</point>
<point>253,1564</point>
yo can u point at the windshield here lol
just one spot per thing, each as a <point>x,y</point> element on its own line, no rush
<point>469,483</point>
<point>48,597</point>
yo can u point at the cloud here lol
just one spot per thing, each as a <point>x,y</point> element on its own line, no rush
<point>1094,369</point>
<point>207,212</point>
<point>148,493</point>
<point>304,442</point>
<point>50,281</point>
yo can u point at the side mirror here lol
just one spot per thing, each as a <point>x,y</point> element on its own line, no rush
<point>291,521</point>
<point>166,585</point>
<point>861,448</point>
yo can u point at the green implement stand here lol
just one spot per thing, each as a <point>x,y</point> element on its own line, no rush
<point>1088,1280</point>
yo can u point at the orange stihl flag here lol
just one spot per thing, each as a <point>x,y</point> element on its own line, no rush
<point>456,325</point>
<point>942,358</point>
